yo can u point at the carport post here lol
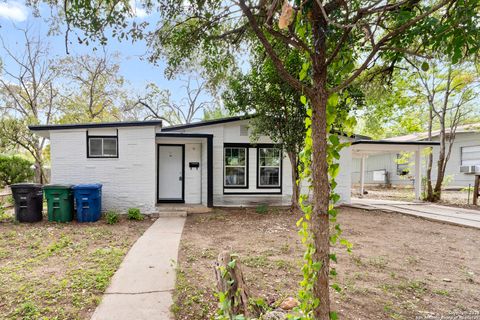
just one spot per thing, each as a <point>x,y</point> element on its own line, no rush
<point>362,175</point>
<point>418,176</point>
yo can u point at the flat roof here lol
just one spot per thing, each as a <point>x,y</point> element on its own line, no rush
<point>388,142</point>
<point>50,127</point>
<point>372,147</point>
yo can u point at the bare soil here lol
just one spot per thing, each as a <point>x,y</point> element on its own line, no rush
<point>60,271</point>
<point>400,266</point>
<point>457,198</point>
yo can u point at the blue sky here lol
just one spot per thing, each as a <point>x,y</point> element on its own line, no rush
<point>14,14</point>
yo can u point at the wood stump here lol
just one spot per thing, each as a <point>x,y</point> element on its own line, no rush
<point>229,277</point>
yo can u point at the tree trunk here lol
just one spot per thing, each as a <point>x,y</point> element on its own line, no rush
<point>429,188</point>
<point>321,191</point>
<point>230,281</point>
<point>437,190</point>
<point>295,185</point>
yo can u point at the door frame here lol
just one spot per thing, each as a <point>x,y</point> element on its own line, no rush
<point>181,200</point>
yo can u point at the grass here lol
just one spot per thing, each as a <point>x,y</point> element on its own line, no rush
<point>59,271</point>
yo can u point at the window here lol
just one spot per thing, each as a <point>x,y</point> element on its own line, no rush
<point>269,167</point>
<point>235,167</point>
<point>102,147</point>
<point>470,156</point>
<point>402,165</point>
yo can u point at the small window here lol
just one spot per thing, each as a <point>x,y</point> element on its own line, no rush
<point>470,156</point>
<point>402,165</point>
<point>235,167</point>
<point>102,147</point>
<point>269,160</point>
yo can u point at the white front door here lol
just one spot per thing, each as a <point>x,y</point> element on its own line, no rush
<point>170,173</point>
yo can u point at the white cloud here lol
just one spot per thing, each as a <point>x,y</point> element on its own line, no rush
<point>13,10</point>
<point>139,12</point>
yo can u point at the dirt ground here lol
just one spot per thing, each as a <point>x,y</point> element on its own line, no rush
<point>449,197</point>
<point>400,266</point>
<point>60,271</point>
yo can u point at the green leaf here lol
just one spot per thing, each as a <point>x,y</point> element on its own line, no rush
<point>425,66</point>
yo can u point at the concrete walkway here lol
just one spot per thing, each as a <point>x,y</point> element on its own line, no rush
<point>454,215</point>
<point>142,286</point>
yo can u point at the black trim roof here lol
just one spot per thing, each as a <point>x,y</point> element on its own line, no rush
<point>207,123</point>
<point>183,135</point>
<point>412,143</point>
<point>96,125</point>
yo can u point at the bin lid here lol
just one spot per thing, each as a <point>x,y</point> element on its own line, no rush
<point>58,186</point>
<point>88,186</point>
<point>26,185</point>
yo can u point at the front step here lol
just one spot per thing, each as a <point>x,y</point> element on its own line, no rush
<point>187,209</point>
<point>171,213</point>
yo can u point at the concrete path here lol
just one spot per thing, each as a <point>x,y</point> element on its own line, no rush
<point>459,216</point>
<point>142,287</point>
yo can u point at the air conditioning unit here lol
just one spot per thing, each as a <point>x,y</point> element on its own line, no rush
<point>470,169</point>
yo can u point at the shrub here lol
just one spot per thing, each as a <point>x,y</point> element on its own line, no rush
<point>14,169</point>
<point>262,208</point>
<point>134,214</point>
<point>111,217</point>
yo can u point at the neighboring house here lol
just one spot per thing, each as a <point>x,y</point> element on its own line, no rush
<point>396,168</point>
<point>209,163</point>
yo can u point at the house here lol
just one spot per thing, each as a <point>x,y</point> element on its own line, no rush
<point>396,168</point>
<point>209,163</point>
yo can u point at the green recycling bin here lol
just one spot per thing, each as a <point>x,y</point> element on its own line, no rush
<point>59,202</point>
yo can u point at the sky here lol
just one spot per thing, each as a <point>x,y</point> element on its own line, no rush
<point>14,14</point>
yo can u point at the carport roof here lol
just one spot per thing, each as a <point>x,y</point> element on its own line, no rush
<point>369,147</point>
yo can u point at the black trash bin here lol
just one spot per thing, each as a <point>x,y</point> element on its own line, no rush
<point>28,199</point>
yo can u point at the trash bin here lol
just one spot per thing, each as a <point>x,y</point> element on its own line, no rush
<point>88,199</point>
<point>59,202</point>
<point>28,198</point>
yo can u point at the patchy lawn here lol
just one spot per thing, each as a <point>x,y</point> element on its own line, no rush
<point>400,267</point>
<point>59,271</point>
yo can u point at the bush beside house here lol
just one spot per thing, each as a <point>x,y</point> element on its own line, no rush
<point>15,169</point>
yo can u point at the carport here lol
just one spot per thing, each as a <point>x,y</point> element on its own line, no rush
<point>364,148</point>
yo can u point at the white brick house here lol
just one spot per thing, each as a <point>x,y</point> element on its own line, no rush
<point>209,163</point>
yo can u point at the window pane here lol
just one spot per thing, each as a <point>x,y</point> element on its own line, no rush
<point>235,156</point>
<point>234,176</point>
<point>110,147</point>
<point>269,157</point>
<point>95,148</point>
<point>269,176</point>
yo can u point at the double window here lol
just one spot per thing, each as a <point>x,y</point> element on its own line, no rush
<point>269,167</point>
<point>102,147</point>
<point>235,166</point>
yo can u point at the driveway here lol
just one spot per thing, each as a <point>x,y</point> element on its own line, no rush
<point>142,286</point>
<point>458,216</point>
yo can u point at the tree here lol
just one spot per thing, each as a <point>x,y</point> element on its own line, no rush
<point>29,97</point>
<point>338,41</point>
<point>14,169</point>
<point>279,113</point>
<point>158,103</point>
<point>449,94</point>
<point>93,89</point>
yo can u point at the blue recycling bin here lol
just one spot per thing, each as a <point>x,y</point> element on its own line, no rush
<point>88,201</point>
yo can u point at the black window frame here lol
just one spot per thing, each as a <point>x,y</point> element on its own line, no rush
<point>280,174</point>
<point>102,137</point>
<point>247,160</point>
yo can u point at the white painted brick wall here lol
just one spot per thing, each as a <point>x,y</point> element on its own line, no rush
<point>128,181</point>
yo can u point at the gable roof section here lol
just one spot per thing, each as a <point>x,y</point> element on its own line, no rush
<point>207,123</point>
